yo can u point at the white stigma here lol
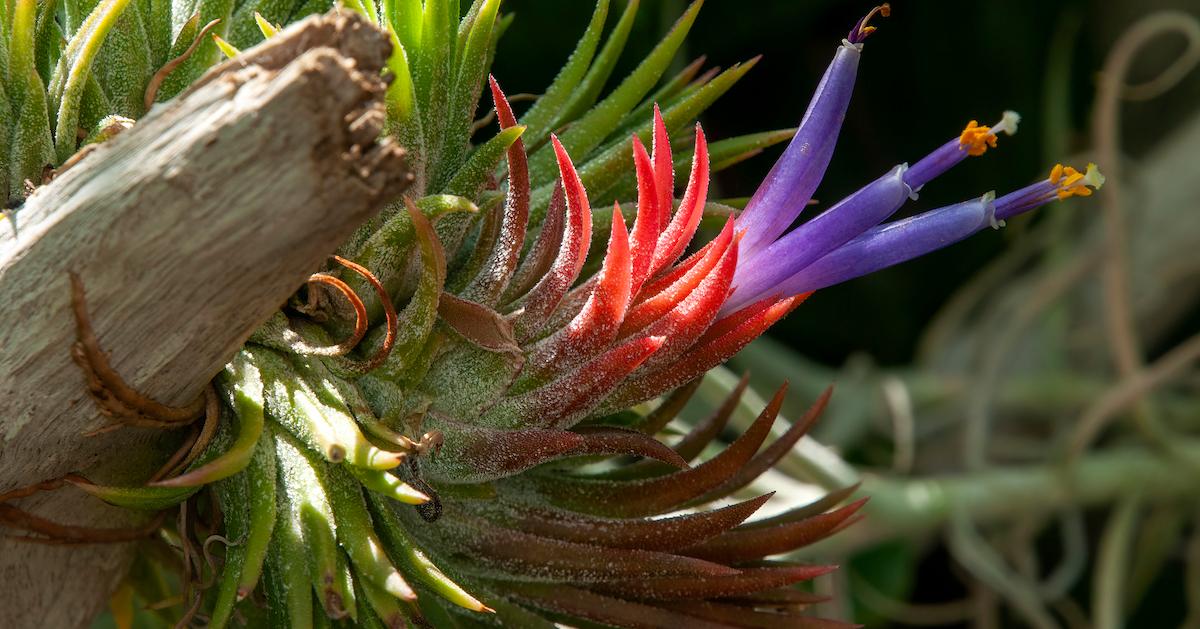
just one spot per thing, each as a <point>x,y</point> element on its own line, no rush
<point>1008,123</point>
<point>1092,177</point>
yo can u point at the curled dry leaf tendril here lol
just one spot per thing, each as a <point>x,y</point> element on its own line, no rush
<point>156,81</point>
<point>389,310</point>
<point>111,393</point>
<point>360,317</point>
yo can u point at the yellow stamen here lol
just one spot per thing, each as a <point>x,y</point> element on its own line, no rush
<point>1072,183</point>
<point>976,138</point>
<point>884,9</point>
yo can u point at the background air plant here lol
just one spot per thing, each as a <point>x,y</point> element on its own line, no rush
<point>492,368</point>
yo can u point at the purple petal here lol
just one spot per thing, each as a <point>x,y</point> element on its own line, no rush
<point>759,275</point>
<point>893,243</point>
<point>791,182</point>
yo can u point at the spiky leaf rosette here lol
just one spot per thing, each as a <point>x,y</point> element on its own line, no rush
<point>507,369</point>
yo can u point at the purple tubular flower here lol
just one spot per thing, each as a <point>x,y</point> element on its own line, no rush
<point>900,241</point>
<point>760,272</point>
<point>973,141</point>
<point>847,240</point>
<point>893,243</point>
<point>791,182</point>
<point>1064,182</point>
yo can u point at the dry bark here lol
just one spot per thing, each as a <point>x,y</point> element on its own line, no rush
<point>188,230</point>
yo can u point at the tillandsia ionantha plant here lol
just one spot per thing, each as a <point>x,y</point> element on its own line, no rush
<point>456,424</point>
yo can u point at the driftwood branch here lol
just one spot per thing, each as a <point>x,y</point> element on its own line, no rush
<point>187,230</point>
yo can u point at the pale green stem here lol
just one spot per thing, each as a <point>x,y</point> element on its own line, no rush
<point>1112,565</point>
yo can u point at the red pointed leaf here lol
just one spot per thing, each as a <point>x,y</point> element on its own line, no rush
<point>607,440</point>
<point>770,455</point>
<point>602,609</point>
<point>648,223</point>
<point>525,555</point>
<point>664,169</point>
<point>658,419</point>
<point>546,295</point>
<point>565,401</point>
<point>739,546</point>
<point>663,493</point>
<point>783,597</point>
<point>688,320</point>
<point>653,306</point>
<point>816,507</point>
<point>693,443</point>
<point>479,324</point>
<point>494,275</point>
<point>480,453</point>
<point>679,589</point>
<point>537,263</point>
<point>595,327</point>
<point>668,277</point>
<point>678,234</point>
<point>729,615</point>
<point>661,534</point>
<point>722,340</point>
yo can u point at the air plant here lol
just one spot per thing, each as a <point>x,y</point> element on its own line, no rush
<point>456,422</point>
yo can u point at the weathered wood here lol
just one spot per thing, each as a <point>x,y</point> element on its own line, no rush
<point>188,230</point>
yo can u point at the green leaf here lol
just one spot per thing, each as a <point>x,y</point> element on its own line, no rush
<point>234,497</point>
<point>546,110</point>
<point>267,29</point>
<point>387,251</point>
<point>21,45</point>
<point>603,174</point>
<point>401,97</point>
<point>27,122</point>
<point>141,498</point>
<point>471,178</point>
<point>404,552</point>
<point>388,485</point>
<point>5,21</point>
<point>71,76</point>
<point>675,87</point>
<point>125,64</point>
<point>159,34</point>
<point>357,536</point>
<point>241,378</point>
<point>468,82</point>
<point>31,147</point>
<point>588,132</point>
<point>6,122</point>
<point>226,48</point>
<point>49,38</point>
<point>405,17</point>
<point>305,513</point>
<point>205,55</point>
<point>289,596</point>
<point>248,501</point>
<point>431,74</point>
<point>593,83</point>
<point>730,151</point>
<point>244,28</point>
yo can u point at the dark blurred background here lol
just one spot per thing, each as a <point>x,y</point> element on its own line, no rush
<point>929,69</point>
